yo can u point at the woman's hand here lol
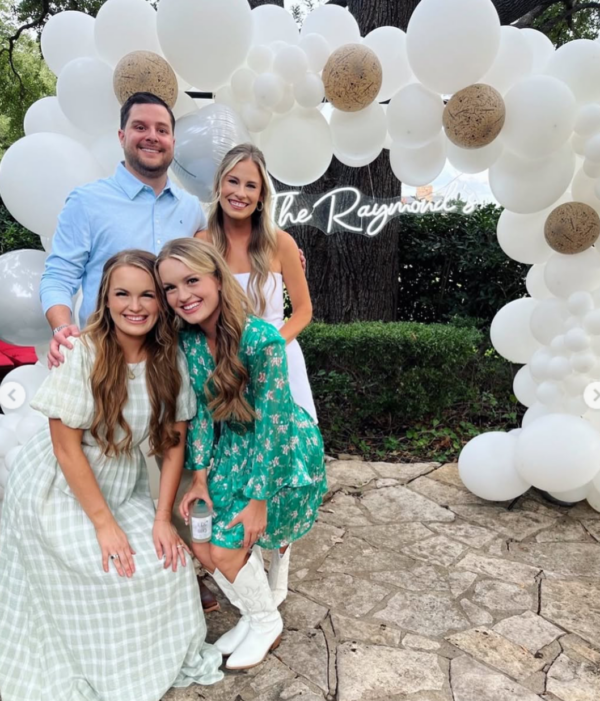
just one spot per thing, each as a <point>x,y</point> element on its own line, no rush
<point>115,546</point>
<point>197,491</point>
<point>254,520</point>
<point>168,544</point>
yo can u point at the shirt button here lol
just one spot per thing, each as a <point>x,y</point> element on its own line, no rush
<point>157,240</point>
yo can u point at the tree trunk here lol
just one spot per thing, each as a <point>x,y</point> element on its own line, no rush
<point>258,3</point>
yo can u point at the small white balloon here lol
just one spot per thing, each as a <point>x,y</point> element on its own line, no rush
<point>317,51</point>
<point>591,322</point>
<point>566,274</point>
<point>67,35</point>
<point>545,457</point>
<point>487,467</point>
<point>288,100</point>
<point>549,392</point>
<point>256,118</point>
<point>580,303</point>
<point>577,340</point>
<point>511,333</point>
<point>269,90</point>
<point>334,23</point>
<point>291,63</point>
<point>558,346</point>
<point>548,319</point>
<point>358,134</point>
<point>587,122</point>
<point>389,45</point>
<point>514,60</point>
<point>592,149</point>
<point>45,115</point>
<point>584,190</point>
<point>575,384</point>
<point>573,495</point>
<point>584,361</point>
<point>29,426</point>
<point>534,282</point>
<point>419,166</point>
<point>242,84</point>
<point>415,116</point>
<point>534,413</point>
<point>309,91</point>
<point>540,363</point>
<point>272,23</point>
<point>559,368</point>
<point>260,59</point>
<point>577,63</point>
<point>524,387</point>
<point>592,170</point>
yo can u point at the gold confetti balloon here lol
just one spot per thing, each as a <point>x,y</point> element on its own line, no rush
<point>145,71</point>
<point>474,117</point>
<point>352,77</point>
<point>572,228</point>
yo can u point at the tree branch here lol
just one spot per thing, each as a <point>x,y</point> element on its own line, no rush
<point>568,15</point>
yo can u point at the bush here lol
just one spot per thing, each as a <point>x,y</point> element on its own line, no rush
<point>13,236</point>
<point>375,384</point>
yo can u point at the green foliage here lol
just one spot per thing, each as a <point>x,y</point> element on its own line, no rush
<point>13,236</point>
<point>561,27</point>
<point>389,390</point>
<point>451,265</point>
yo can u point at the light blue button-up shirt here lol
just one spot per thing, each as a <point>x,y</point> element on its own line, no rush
<point>106,217</point>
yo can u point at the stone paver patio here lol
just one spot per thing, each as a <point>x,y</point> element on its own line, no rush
<point>410,588</point>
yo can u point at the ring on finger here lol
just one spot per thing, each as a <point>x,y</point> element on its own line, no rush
<point>115,556</point>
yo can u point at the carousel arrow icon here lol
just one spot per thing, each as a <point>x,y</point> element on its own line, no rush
<point>12,395</point>
<point>591,395</point>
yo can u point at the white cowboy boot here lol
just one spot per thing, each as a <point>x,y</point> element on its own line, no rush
<point>278,574</point>
<point>251,594</point>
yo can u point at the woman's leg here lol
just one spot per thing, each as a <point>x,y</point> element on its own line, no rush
<point>229,562</point>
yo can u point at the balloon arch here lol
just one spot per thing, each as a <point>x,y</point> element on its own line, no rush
<point>515,105</point>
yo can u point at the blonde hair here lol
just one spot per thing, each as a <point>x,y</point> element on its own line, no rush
<point>225,387</point>
<point>263,240</point>
<point>109,373</point>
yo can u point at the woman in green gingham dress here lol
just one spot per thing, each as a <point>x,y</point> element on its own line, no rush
<point>74,626</point>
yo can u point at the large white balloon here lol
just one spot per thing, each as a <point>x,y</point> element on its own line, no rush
<point>558,453</point>
<point>419,166</point>
<point>577,63</point>
<point>447,55</point>
<point>511,331</point>
<point>205,41</point>
<point>317,51</point>
<point>87,97</point>
<point>474,160</point>
<point>309,92</point>
<point>123,26</point>
<point>46,115</point>
<point>540,116</point>
<point>66,36</point>
<point>359,134</point>
<point>525,387</point>
<point>298,147</point>
<point>107,150</point>
<point>334,23</point>
<point>513,61</point>
<point>389,45</point>
<point>541,47</point>
<point>30,377</point>
<point>272,23</point>
<point>565,274</point>
<point>526,186</point>
<point>548,319</point>
<point>521,236</point>
<point>186,104</point>
<point>22,320</point>
<point>414,116</point>
<point>583,189</point>
<point>535,283</point>
<point>38,172</point>
<point>487,467</point>
<point>588,120</point>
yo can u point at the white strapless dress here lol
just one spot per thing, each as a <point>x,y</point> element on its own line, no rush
<point>299,383</point>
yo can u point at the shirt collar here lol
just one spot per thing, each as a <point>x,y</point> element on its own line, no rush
<point>132,186</point>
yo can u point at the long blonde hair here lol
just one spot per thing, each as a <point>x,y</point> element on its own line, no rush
<point>225,388</point>
<point>263,241</point>
<point>109,373</point>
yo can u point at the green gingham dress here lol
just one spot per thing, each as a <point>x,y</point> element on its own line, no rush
<point>68,630</point>
<point>279,457</point>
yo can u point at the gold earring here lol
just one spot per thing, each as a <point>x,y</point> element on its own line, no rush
<point>260,206</point>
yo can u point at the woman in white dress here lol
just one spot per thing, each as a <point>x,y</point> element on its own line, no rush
<point>98,600</point>
<point>263,259</point>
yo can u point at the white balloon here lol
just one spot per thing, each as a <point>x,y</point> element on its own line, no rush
<point>565,274</point>
<point>592,149</point>
<point>359,134</point>
<point>9,422</point>
<point>577,340</point>
<point>446,55</point>
<point>511,331</point>
<point>260,59</point>
<point>186,105</point>
<point>577,63</point>
<point>46,243</point>
<point>475,160</point>
<point>540,115</point>
<point>30,377</point>
<point>575,384</point>
<point>576,406</point>
<point>3,476</point>
<point>357,162</point>
<point>592,170</point>
<point>583,189</point>
<point>317,51</point>
<point>487,467</point>
<point>548,319</point>
<point>534,282</point>
<point>87,97</point>
<point>591,322</point>
<point>588,119</point>
<point>11,456</point>
<point>272,23</point>
<point>107,150</point>
<point>309,92</point>
<point>527,186</point>
<point>539,364</point>
<point>415,116</point>
<point>545,455</point>
<point>524,387</point>
<point>8,441</point>
<point>67,35</point>
<point>559,368</point>
<point>389,45</point>
<point>298,146</point>
<point>541,46</point>
<point>580,303</point>
<point>578,143</point>
<point>225,96</point>
<point>550,393</point>
<point>190,31</point>
<point>534,413</point>
<point>288,100</point>
<point>45,115</point>
<point>334,23</point>
<point>242,83</point>
<point>521,236</point>
<point>256,118</point>
<point>123,26</point>
<point>269,90</point>
<point>419,166</point>
<point>43,169</point>
<point>291,63</point>
<point>573,495</point>
<point>558,345</point>
<point>29,426</point>
<point>514,60</point>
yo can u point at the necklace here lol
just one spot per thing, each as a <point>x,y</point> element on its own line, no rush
<point>130,370</point>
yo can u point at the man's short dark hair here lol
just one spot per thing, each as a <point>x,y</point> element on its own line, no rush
<point>143,98</point>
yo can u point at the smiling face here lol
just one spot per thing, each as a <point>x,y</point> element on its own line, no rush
<point>193,297</point>
<point>132,301</point>
<point>241,190</point>
<point>148,140</point>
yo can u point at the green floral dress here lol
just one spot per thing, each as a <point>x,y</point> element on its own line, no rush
<point>278,457</point>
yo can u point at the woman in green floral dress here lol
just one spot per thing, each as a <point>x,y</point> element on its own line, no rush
<point>268,477</point>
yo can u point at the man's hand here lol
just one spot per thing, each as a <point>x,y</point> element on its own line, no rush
<point>55,357</point>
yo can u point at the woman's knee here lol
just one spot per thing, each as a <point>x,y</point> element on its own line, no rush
<point>222,556</point>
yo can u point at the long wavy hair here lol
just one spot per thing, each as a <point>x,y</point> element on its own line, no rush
<point>263,240</point>
<point>110,372</point>
<point>225,387</point>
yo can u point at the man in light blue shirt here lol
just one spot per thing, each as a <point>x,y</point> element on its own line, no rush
<point>138,207</point>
